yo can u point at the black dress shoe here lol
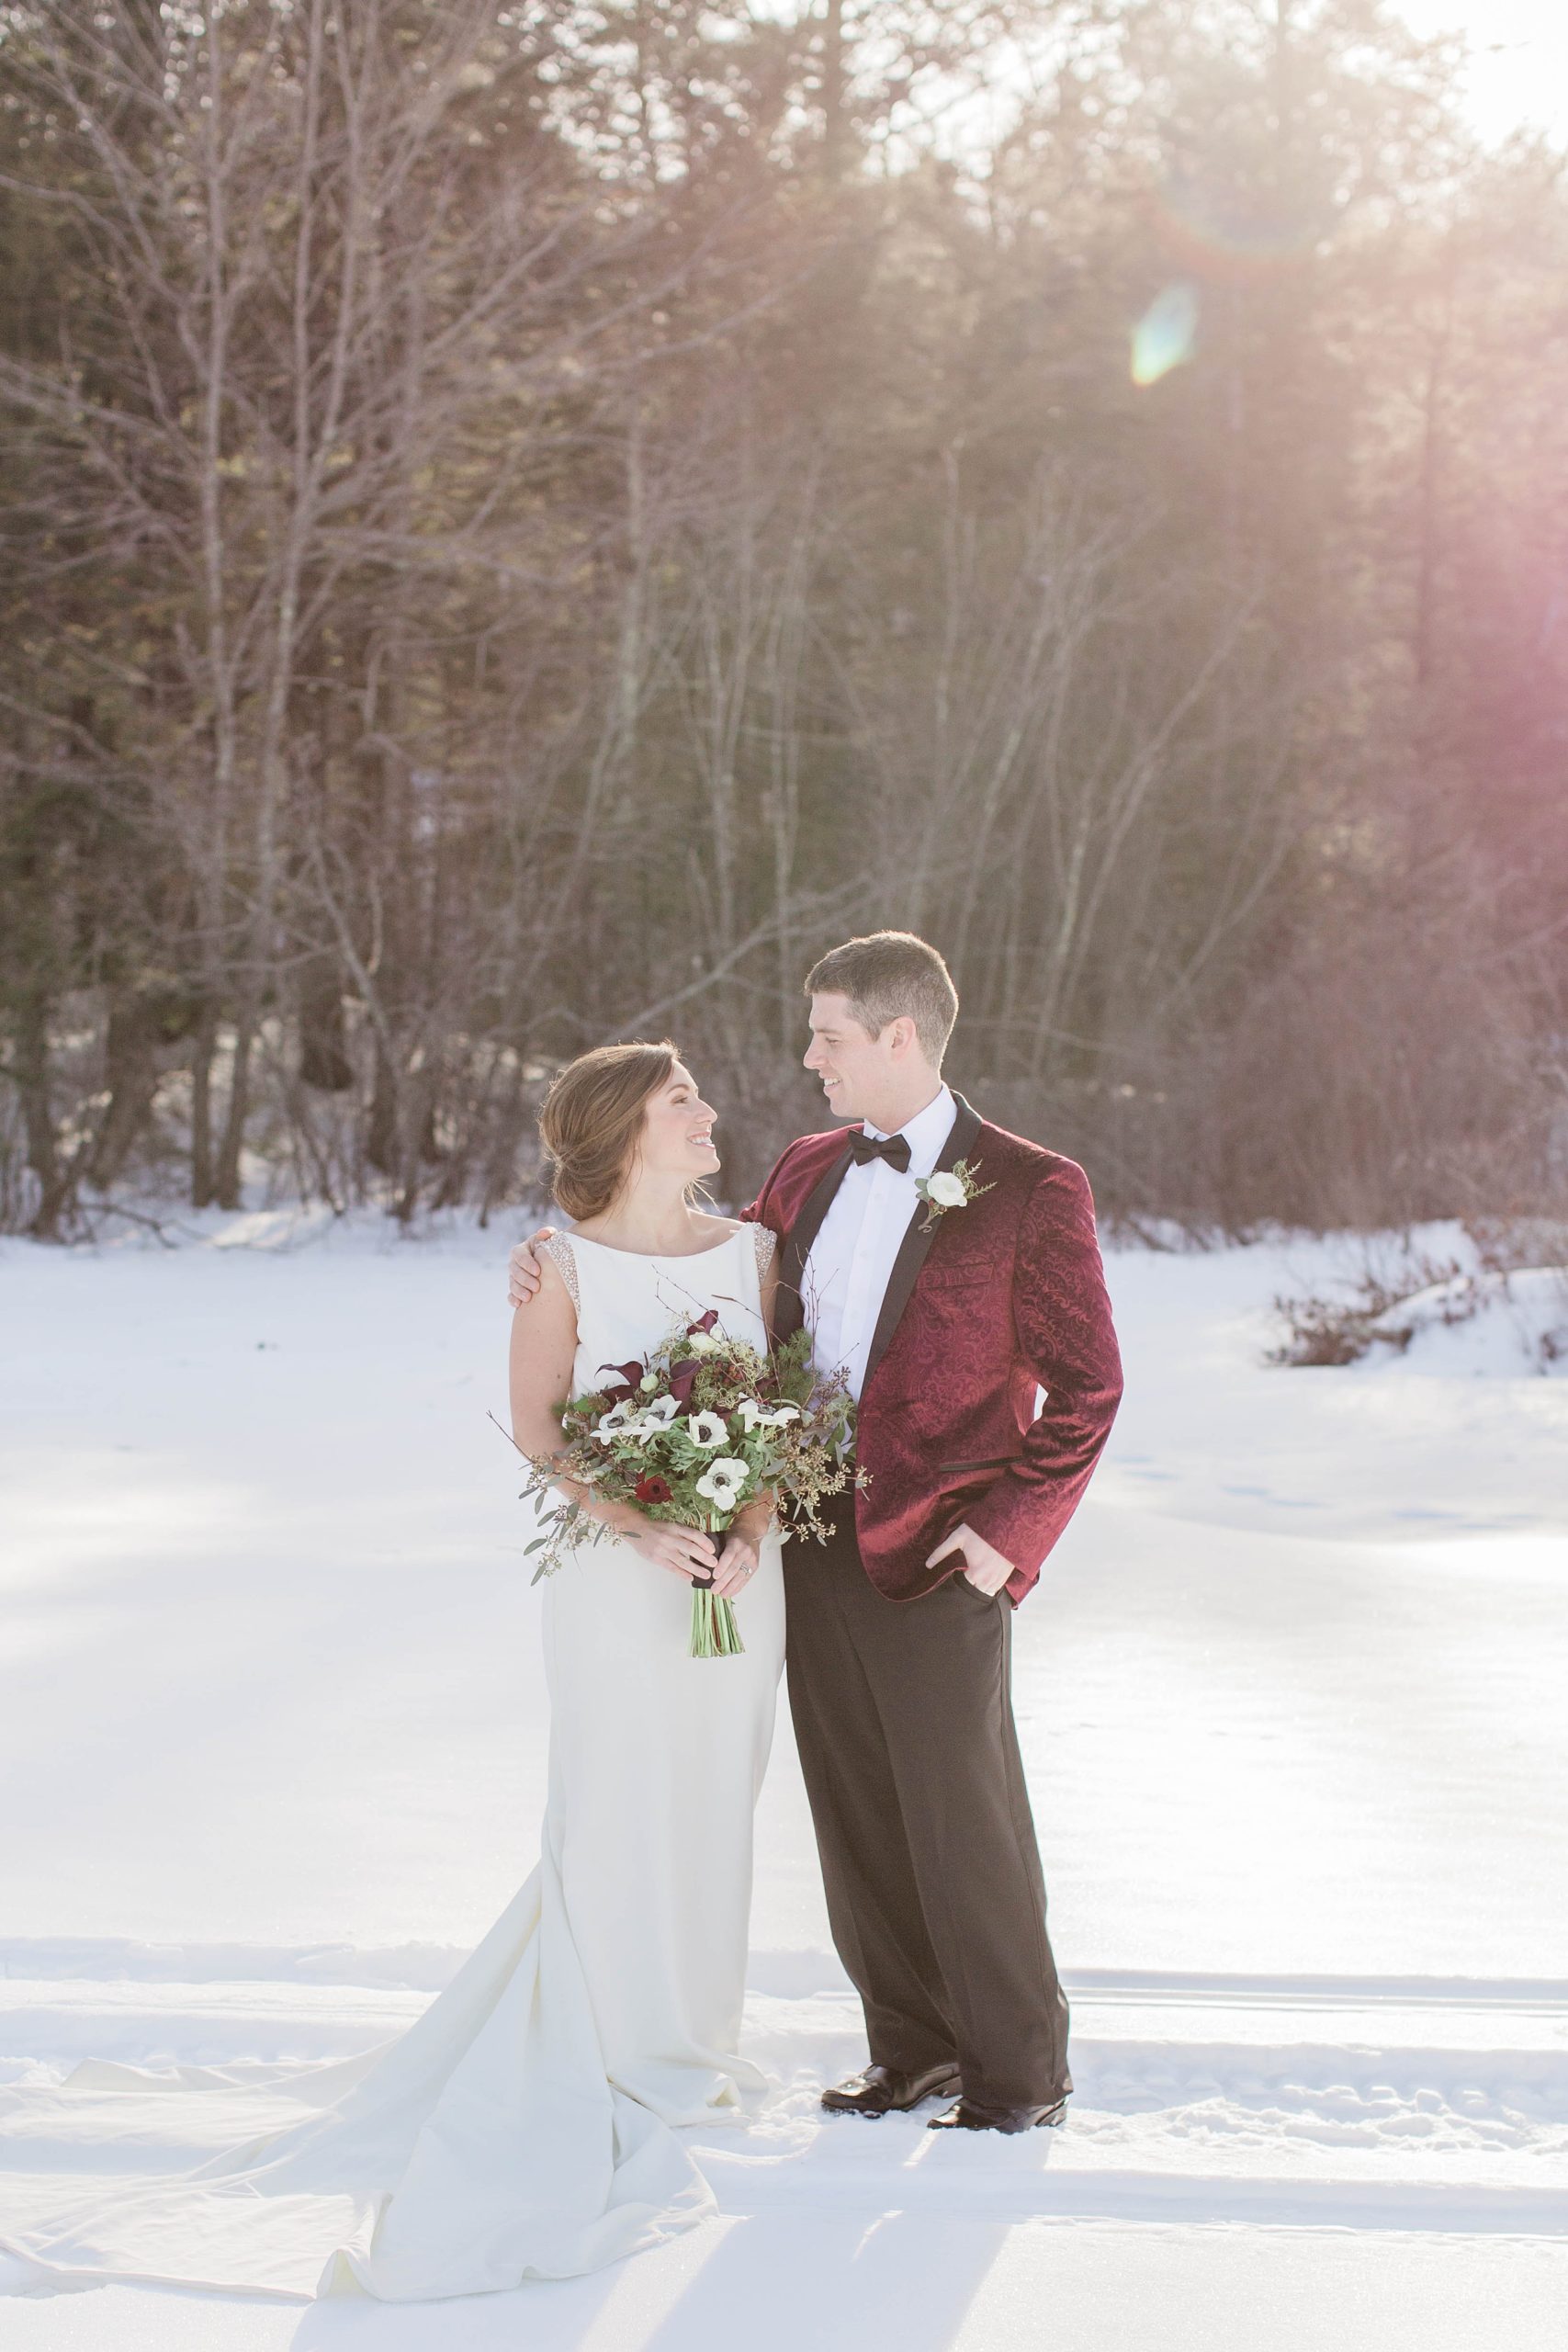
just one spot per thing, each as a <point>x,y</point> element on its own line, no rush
<point>881,2091</point>
<point>973,2115</point>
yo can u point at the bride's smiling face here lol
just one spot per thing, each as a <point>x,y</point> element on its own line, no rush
<point>677,1130</point>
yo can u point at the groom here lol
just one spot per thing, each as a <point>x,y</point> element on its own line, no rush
<point>950,1309</point>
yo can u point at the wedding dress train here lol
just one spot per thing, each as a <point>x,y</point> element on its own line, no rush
<point>527,2125</point>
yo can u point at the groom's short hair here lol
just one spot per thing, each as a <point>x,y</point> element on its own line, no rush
<point>886,974</point>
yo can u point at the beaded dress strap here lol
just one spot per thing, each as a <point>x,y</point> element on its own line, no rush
<point>563,1258</point>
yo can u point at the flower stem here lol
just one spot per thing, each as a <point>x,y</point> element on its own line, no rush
<point>714,1632</point>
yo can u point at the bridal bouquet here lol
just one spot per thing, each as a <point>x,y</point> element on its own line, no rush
<point>691,1433</point>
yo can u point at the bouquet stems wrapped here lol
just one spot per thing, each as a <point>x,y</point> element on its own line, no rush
<point>714,1632</point>
<point>691,1434</point>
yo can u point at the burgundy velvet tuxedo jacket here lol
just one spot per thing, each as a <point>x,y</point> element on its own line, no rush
<point>995,1299</point>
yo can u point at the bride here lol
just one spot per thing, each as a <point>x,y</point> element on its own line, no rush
<point>526,2125</point>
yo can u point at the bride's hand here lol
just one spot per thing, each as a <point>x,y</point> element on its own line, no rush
<point>742,1549</point>
<point>685,1551</point>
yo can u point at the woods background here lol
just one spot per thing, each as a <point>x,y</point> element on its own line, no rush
<point>524,524</point>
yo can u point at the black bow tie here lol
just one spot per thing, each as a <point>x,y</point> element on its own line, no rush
<point>893,1149</point>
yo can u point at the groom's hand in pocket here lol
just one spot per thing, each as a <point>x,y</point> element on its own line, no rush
<point>523,1269</point>
<point>984,1566</point>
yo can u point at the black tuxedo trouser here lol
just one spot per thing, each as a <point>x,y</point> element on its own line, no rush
<point>903,1717</point>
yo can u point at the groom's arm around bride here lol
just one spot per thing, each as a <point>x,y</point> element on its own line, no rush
<point>988,1303</point>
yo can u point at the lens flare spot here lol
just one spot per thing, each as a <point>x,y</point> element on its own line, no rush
<point>1220,236</point>
<point>1166,333</point>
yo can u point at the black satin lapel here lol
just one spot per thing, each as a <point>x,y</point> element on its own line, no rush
<point>790,1313</point>
<point>916,1243</point>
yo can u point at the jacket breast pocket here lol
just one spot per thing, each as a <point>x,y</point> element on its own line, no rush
<point>958,1273</point>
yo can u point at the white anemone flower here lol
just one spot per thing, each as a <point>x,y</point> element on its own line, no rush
<point>661,1411</point>
<point>616,1420</point>
<point>754,1415</point>
<point>706,1430</point>
<point>725,1481</point>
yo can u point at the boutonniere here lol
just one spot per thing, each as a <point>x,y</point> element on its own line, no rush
<point>950,1188</point>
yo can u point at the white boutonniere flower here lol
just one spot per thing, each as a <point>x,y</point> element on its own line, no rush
<point>708,1430</point>
<point>725,1481</point>
<point>950,1188</point>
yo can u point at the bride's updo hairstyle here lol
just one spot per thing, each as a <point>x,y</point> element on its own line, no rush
<point>591,1117</point>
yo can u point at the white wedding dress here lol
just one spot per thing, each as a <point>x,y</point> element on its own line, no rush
<point>527,2126</point>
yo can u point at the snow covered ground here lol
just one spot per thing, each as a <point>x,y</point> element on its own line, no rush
<point>272,1739</point>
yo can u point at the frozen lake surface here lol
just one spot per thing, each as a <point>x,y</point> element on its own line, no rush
<point>272,1739</point>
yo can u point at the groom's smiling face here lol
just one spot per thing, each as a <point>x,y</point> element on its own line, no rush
<point>854,1067</point>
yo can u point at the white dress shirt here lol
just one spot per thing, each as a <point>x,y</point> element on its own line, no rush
<point>850,1262</point>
